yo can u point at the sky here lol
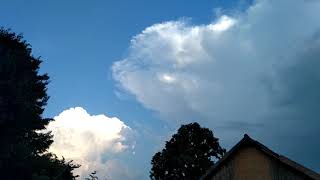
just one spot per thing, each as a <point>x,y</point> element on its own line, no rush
<point>124,75</point>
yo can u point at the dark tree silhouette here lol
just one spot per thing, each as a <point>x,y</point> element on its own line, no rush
<point>23,152</point>
<point>187,155</point>
<point>92,176</point>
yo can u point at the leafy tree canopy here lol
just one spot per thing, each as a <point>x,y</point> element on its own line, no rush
<point>188,154</point>
<point>23,152</point>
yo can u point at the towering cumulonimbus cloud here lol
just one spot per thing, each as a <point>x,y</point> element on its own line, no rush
<point>96,142</point>
<point>257,69</point>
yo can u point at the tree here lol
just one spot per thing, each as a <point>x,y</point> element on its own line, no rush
<point>187,155</point>
<point>23,152</point>
<point>92,176</point>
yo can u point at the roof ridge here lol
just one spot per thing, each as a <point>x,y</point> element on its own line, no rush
<point>247,140</point>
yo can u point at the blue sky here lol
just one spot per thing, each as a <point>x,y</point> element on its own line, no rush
<point>79,41</point>
<point>94,52</point>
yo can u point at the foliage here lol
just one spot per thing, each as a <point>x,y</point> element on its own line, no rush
<point>23,152</point>
<point>92,176</point>
<point>187,155</point>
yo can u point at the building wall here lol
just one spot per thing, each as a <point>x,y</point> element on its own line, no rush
<point>280,172</point>
<point>251,164</point>
<point>247,164</point>
<point>226,172</point>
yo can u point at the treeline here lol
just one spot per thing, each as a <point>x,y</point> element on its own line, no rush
<point>24,145</point>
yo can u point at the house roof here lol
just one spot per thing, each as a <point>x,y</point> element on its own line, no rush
<point>247,141</point>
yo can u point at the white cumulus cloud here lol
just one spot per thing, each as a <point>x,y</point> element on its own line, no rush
<point>93,141</point>
<point>253,69</point>
<point>210,70</point>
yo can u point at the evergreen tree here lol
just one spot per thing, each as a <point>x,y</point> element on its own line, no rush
<point>188,154</point>
<point>23,152</point>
